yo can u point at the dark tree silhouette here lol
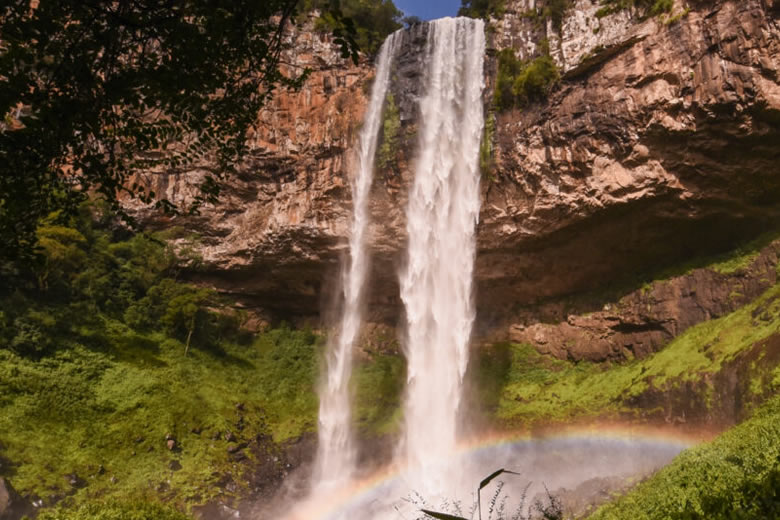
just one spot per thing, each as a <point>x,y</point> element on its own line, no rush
<point>95,91</point>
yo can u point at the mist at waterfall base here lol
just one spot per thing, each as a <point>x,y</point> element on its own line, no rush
<point>554,463</point>
<point>430,467</point>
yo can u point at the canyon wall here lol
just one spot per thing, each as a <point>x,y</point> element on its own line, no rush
<point>659,144</point>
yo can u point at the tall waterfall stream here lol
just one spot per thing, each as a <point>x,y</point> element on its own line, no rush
<point>335,459</point>
<point>436,283</point>
<point>432,465</point>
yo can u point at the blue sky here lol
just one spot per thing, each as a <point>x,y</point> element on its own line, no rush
<point>428,9</point>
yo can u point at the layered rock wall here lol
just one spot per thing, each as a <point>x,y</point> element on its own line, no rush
<point>660,143</point>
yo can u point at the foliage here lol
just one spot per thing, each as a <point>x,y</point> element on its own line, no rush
<point>545,508</point>
<point>508,69</point>
<point>556,10</point>
<point>93,359</point>
<point>652,7</point>
<point>93,377</point>
<point>486,145</point>
<point>535,80</point>
<point>378,385</point>
<point>522,386</point>
<point>114,510</point>
<point>735,477</point>
<point>373,20</point>
<point>520,83</point>
<point>391,125</point>
<point>96,94</point>
<point>481,8</point>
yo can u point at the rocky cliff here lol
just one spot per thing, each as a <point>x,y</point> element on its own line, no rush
<point>659,143</point>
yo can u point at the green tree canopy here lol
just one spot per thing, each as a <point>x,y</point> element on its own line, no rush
<point>96,91</point>
<point>481,8</point>
<point>373,20</point>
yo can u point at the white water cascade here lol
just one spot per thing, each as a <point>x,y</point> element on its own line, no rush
<point>436,282</point>
<point>335,459</point>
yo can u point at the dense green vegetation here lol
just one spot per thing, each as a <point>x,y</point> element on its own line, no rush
<point>486,145</point>
<point>95,371</point>
<point>378,384</point>
<point>652,7</point>
<point>519,83</point>
<point>387,153</point>
<point>115,511</point>
<point>735,477</point>
<point>96,375</point>
<point>373,20</point>
<point>523,387</point>
<point>481,8</point>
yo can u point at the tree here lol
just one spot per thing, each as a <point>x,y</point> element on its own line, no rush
<point>373,19</point>
<point>481,8</point>
<point>184,311</point>
<point>96,91</point>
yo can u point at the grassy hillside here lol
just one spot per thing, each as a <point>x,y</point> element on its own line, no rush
<point>735,477</point>
<point>522,387</point>
<point>106,356</point>
<point>119,380</point>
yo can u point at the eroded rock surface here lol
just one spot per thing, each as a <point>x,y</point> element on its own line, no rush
<point>665,150</point>
<point>660,144</point>
<point>645,319</point>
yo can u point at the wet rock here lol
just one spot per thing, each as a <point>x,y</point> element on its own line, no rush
<point>12,505</point>
<point>239,456</point>
<point>216,511</point>
<point>74,481</point>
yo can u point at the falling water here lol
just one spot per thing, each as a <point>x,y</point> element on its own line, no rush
<point>436,283</point>
<point>335,460</point>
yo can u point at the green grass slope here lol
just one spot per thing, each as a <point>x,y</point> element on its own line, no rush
<point>735,477</point>
<point>521,387</point>
<point>113,510</point>
<point>105,356</point>
<point>103,414</point>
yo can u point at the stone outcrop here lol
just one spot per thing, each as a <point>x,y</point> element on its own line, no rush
<point>646,318</point>
<point>665,150</point>
<point>659,144</point>
<point>279,228</point>
<point>12,506</point>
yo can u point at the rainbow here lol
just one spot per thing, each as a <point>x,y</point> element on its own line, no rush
<point>323,507</point>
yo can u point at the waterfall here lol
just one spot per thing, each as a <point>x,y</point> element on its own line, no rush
<point>442,213</point>
<point>336,454</point>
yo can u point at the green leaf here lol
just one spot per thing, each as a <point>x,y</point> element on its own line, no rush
<point>442,516</point>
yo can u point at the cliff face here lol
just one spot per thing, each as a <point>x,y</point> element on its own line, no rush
<point>660,143</point>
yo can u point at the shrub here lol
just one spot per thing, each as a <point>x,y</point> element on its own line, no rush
<point>535,80</point>
<point>391,125</point>
<point>520,83</point>
<point>374,20</point>
<point>481,8</point>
